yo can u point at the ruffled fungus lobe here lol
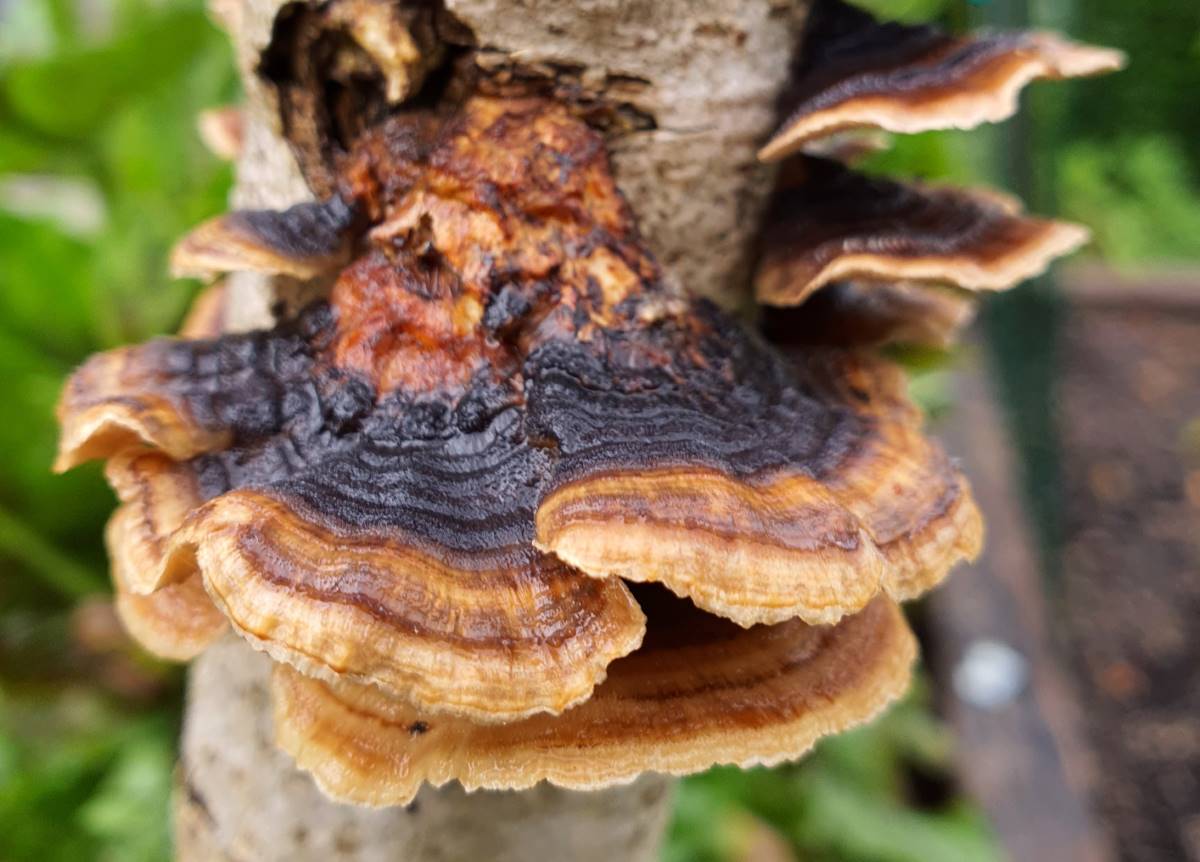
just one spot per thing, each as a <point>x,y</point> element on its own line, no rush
<point>701,691</point>
<point>768,490</point>
<point>856,72</point>
<point>828,223</point>
<point>309,241</point>
<point>424,496</point>
<point>179,621</point>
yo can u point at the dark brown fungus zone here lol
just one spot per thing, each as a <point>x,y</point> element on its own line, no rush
<point>828,223</point>
<point>873,314</point>
<point>766,490</point>
<point>434,483</point>
<point>311,240</point>
<point>853,71</point>
<point>700,691</point>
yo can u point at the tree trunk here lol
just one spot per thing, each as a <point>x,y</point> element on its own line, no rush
<point>703,75</point>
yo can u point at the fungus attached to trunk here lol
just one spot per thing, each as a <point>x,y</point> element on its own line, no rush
<point>853,71</point>
<point>505,505</point>
<point>431,489</point>
<point>701,691</point>
<point>828,223</point>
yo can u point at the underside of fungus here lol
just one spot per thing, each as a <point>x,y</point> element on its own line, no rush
<point>700,691</point>
<point>505,506</point>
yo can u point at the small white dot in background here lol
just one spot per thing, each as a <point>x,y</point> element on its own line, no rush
<point>990,674</point>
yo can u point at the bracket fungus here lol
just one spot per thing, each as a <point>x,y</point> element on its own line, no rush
<point>828,223</point>
<point>871,260</point>
<point>854,72</point>
<point>700,691</point>
<point>860,314</point>
<point>507,506</point>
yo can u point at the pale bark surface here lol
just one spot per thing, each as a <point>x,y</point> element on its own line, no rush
<point>708,72</point>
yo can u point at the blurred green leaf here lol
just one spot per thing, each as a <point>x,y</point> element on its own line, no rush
<point>19,541</point>
<point>839,818</point>
<point>1136,193</point>
<point>127,814</point>
<point>69,95</point>
<point>20,151</point>
<point>26,30</point>
<point>84,780</point>
<point>45,287</point>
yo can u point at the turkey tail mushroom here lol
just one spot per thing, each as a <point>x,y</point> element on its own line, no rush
<point>828,223</point>
<point>856,72</point>
<point>701,692</point>
<point>304,241</point>
<point>424,496</point>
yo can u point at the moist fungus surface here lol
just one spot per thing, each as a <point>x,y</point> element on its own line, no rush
<point>853,71</point>
<point>828,223</point>
<point>701,691</point>
<point>434,482</point>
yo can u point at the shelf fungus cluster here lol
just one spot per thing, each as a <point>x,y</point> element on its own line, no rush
<point>871,260</point>
<point>505,507</point>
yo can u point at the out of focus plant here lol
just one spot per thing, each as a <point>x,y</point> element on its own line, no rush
<point>1122,151</point>
<point>81,779</point>
<point>100,169</point>
<point>1137,194</point>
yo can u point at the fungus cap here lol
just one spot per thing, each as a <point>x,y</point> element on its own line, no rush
<point>770,489</point>
<point>700,692</point>
<point>854,72</point>
<point>304,241</point>
<point>828,223</point>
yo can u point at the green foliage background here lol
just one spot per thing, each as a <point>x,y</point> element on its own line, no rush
<point>101,169</point>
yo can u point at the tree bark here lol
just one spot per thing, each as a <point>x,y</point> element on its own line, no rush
<point>707,73</point>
